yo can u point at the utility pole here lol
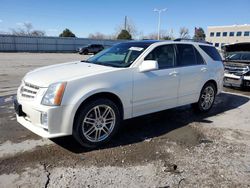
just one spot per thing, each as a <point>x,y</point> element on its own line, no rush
<point>125,23</point>
<point>159,19</point>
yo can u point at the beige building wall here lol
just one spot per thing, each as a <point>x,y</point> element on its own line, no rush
<point>220,35</point>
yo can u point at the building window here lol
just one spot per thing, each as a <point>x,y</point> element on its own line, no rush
<point>246,33</point>
<point>231,34</point>
<point>217,44</point>
<point>218,34</point>
<point>238,34</point>
<point>224,34</point>
<point>212,34</point>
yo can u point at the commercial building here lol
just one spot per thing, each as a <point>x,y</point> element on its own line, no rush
<point>221,35</point>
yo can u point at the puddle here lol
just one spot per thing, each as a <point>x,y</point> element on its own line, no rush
<point>187,136</point>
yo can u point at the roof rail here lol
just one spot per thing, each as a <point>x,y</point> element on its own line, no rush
<point>193,40</point>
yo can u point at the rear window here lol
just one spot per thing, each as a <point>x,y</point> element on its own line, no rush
<point>212,52</point>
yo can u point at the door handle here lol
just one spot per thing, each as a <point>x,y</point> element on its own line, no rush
<point>174,73</point>
<point>203,69</point>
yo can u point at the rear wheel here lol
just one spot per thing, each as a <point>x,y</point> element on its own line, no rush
<point>206,99</point>
<point>96,122</point>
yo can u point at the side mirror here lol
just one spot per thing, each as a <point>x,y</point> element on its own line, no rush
<point>148,65</point>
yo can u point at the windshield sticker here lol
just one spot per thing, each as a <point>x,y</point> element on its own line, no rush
<point>136,49</point>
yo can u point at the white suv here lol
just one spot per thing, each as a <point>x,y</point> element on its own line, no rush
<point>89,99</point>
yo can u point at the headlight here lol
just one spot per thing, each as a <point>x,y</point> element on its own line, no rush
<point>54,94</point>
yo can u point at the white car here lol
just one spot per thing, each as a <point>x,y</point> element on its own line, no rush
<point>89,99</point>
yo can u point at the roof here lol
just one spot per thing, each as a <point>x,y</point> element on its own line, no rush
<point>149,42</point>
<point>137,42</point>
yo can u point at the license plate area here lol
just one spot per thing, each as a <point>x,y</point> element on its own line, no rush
<point>233,81</point>
<point>18,108</point>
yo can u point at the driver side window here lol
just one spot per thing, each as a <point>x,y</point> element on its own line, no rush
<point>164,55</point>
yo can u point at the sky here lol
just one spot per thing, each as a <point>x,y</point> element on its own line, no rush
<point>83,17</point>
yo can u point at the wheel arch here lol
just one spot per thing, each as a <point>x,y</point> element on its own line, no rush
<point>106,95</point>
<point>213,82</point>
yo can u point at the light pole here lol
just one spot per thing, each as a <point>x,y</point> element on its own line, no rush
<point>159,19</point>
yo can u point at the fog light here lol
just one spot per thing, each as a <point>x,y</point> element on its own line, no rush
<point>44,118</point>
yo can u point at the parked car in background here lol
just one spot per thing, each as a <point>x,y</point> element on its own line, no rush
<point>237,65</point>
<point>89,99</point>
<point>91,48</point>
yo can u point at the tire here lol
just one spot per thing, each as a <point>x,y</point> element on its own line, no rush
<point>96,123</point>
<point>85,52</point>
<point>206,99</point>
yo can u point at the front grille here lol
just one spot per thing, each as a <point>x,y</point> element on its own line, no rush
<point>237,70</point>
<point>29,90</point>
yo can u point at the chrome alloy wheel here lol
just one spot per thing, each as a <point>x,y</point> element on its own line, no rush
<point>98,123</point>
<point>207,97</point>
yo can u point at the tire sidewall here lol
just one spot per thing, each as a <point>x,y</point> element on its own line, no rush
<point>200,101</point>
<point>77,129</point>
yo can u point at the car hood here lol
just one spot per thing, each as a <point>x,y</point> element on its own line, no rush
<point>237,47</point>
<point>45,76</point>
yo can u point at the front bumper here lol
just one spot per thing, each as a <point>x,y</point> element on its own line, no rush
<point>58,123</point>
<point>236,81</point>
<point>38,129</point>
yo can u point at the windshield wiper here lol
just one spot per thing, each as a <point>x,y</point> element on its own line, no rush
<point>106,64</point>
<point>100,63</point>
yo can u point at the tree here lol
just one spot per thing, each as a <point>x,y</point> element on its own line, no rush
<point>67,33</point>
<point>184,33</point>
<point>199,34</point>
<point>124,35</point>
<point>97,35</point>
<point>129,26</point>
<point>27,30</point>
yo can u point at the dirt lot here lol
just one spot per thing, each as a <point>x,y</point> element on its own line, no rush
<point>173,148</point>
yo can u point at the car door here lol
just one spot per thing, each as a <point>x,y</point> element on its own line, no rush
<point>156,90</point>
<point>192,71</point>
<point>98,48</point>
<point>92,48</point>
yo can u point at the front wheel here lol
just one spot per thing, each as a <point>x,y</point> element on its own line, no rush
<point>96,122</point>
<point>206,99</point>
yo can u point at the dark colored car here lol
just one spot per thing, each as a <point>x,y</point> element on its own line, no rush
<point>237,65</point>
<point>91,48</point>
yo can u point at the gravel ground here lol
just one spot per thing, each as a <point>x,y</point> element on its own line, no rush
<point>173,148</point>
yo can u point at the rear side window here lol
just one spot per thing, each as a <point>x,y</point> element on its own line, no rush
<point>212,52</point>
<point>186,55</point>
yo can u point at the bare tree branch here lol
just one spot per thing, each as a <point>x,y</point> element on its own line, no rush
<point>184,33</point>
<point>164,35</point>
<point>27,30</point>
<point>97,35</point>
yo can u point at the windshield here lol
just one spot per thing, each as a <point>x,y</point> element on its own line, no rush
<point>120,55</point>
<point>235,56</point>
